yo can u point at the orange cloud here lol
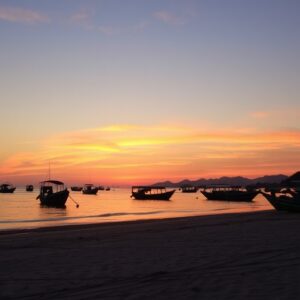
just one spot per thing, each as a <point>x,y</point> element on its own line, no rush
<point>136,154</point>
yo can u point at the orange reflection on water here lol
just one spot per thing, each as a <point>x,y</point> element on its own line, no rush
<point>22,210</point>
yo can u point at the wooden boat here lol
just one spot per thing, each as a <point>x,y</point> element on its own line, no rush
<point>288,202</point>
<point>29,188</point>
<point>89,189</point>
<point>275,189</point>
<point>151,193</point>
<point>7,188</point>
<point>76,188</point>
<point>236,194</point>
<point>189,189</point>
<point>53,193</point>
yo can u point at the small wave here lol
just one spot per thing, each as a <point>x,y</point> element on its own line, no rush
<point>107,215</point>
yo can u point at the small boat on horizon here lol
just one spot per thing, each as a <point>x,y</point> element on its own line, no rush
<point>231,193</point>
<point>76,188</point>
<point>89,189</point>
<point>7,188</point>
<point>53,193</point>
<point>286,201</point>
<point>29,188</point>
<point>151,193</point>
<point>189,189</point>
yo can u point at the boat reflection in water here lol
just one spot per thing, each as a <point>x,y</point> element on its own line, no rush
<point>229,193</point>
<point>151,193</point>
<point>53,193</point>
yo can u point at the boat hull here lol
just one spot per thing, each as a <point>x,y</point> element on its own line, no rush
<point>7,191</point>
<point>161,196</point>
<point>29,188</point>
<point>76,189</point>
<point>283,203</point>
<point>236,196</point>
<point>90,192</point>
<point>194,190</point>
<point>58,199</point>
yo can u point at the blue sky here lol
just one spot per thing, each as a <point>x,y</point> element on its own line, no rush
<point>232,55</point>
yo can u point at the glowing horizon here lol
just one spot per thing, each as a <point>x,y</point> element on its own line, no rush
<point>132,154</point>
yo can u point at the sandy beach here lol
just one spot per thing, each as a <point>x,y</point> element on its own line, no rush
<point>236,256</point>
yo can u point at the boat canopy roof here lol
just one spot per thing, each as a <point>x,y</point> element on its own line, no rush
<point>148,187</point>
<point>226,188</point>
<point>53,182</point>
<point>6,184</point>
<point>222,186</point>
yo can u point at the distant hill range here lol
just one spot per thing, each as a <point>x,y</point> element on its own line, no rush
<point>241,181</point>
<point>293,180</point>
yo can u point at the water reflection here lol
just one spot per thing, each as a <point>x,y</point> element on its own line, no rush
<point>46,210</point>
<point>22,210</point>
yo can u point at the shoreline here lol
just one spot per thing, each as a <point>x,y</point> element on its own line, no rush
<point>252,255</point>
<point>86,226</point>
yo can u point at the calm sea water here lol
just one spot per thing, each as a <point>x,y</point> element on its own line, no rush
<point>22,210</point>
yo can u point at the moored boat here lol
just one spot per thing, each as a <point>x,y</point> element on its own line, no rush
<point>53,193</point>
<point>286,202</point>
<point>76,188</point>
<point>151,193</point>
<point>236,194</point>
<point>189,189</point>
<point>29,188</point>
<point>7,188</point>
<point>89,189</point>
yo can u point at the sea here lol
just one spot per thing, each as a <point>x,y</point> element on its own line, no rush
<point>21,210</point>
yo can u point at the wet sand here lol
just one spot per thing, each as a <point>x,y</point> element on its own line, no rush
<point>236,256</point>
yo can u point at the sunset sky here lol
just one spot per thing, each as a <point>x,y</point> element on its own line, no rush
<point>125,92</point>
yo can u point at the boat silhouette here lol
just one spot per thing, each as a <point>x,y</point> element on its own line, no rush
<point>286,200</point>
<point>89,189</point>
<point>76,188</point>
<point>7,188</point>
<point>189,189</point>
<point>151,193</point>
<point>231,193</point>
<point>53,193</point>
<point>29,188</point>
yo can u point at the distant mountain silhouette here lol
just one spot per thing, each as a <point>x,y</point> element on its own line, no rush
<point>293,179</point>
<point>238,180</point>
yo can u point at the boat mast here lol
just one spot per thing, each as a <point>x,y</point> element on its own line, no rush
<point>49,171</point>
